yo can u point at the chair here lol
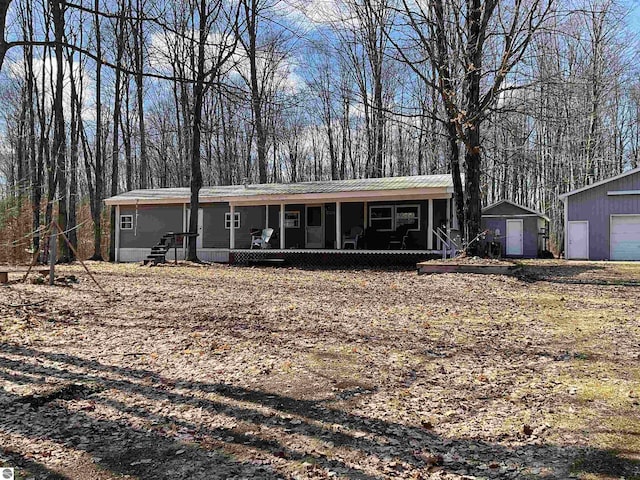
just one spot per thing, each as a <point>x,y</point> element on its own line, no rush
<point>261,240</point>
<point>398,238</point>
<point>352,237</point>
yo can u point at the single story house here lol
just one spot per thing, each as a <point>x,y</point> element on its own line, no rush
<point>401,214</point>
<point>602,220</point>
<point>517,230</point>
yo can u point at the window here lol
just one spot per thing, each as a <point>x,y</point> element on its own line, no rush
<point>381,218</point>
<point>126,222</point>
<point>292,219</point>
<point>236,220</point>
<point>408,215</point>
<point>390,217</point>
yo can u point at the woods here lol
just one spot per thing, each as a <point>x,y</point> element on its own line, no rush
<point>522,100</point>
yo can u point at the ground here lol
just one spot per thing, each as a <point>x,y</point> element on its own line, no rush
<point>218,372</point>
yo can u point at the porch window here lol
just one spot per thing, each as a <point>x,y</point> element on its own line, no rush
<point>126,222</point>
<point>292,219</point>
<point>408,215</point>
<point>236,220</point>
<point>381,217</point>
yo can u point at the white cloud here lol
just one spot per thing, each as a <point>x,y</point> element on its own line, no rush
<point>47,68</point>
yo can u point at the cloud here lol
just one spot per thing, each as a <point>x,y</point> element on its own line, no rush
<point>46,69</point>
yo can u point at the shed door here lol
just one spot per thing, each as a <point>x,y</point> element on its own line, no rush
<point>578,240</point>
<point>625,237</point>
<point>514,237</point>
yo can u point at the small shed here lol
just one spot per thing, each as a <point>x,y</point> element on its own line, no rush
<point>516,230</point>
<point>602,220</point>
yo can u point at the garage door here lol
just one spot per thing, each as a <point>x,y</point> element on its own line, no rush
<point>625,237</point>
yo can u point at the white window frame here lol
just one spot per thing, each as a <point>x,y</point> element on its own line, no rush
<point>129,220</point>
<point>293,221</point>
<point>392,217</point>
<point>395,216</point>
<point>227,220</point>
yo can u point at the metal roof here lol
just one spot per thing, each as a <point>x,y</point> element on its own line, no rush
<point>530,210</point>
<point>225,193</point>
<point>601,182</point>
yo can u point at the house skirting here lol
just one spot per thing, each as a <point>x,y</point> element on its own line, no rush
<point>218,255</point>
<point>333,258</point>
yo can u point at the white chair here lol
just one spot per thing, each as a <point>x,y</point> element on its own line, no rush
<point>262,240</point>
<point>352,237</point>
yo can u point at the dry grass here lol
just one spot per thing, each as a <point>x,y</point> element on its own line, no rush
<point>307,374</point>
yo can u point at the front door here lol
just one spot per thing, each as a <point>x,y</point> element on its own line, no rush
<point>578,240</point>
<point>314,230</point>
<point>514,237</point>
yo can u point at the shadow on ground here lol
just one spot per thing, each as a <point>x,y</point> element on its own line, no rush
<point>384,449</point>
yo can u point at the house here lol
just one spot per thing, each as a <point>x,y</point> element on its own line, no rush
<point>308,218</point>
<point>602,220</point>
<point>518,231</point>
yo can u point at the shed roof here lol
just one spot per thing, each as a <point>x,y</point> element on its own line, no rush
<point>275,191</point>
<point>521,207</point>
<point>601,182</point>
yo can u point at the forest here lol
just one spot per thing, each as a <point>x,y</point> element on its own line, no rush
<point>518,99</point>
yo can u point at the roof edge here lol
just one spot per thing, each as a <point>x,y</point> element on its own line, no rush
<point>530,210</point>
<point>600,182</point>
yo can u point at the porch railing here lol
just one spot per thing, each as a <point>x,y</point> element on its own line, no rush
<point>445,243</point>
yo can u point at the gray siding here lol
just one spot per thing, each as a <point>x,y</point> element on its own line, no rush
<point>215,235</point>
<point>530,233</point>
<point>596,207</point>
<point>150,223</point>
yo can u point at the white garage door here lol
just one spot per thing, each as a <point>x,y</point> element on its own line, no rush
<point>625,237</point>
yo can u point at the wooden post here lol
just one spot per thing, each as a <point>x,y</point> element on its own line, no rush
<point>338,225</point>
<point>117,237</point>
<point>53,247</point>
<point>4,277</point>
<point>282,242</point>
<point>430,226</point>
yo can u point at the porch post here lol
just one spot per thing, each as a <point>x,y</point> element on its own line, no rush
<point>266,217</point>
<point>365,226</point>
<point>185,227</point>
<point>449,217</point>
<point>430,226</point>
<point>338,225</point>
<point>117,239</point>
<point>232,230</point>
<point>282,242</point>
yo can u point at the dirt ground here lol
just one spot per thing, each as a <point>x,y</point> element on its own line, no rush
<point>218,372</point>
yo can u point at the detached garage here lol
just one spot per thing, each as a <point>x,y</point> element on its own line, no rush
<point>602,220</point>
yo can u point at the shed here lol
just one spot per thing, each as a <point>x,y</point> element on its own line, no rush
<point>602,220</point>
<point>519,231</point>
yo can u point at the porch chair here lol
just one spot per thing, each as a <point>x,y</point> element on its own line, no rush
<point>352,237</point>
<point>399,237</point>
<point>262,240</point>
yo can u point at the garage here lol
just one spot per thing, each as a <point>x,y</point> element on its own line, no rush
<point>625,237</point>
<point>602,219</point>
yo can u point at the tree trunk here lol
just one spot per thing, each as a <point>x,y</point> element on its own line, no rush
<point>196,171</point>
<point>251,13</point>
<point>59,136</point>
<point>4,46</point>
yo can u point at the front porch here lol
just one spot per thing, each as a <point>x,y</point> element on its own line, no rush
<point>412,224</point>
